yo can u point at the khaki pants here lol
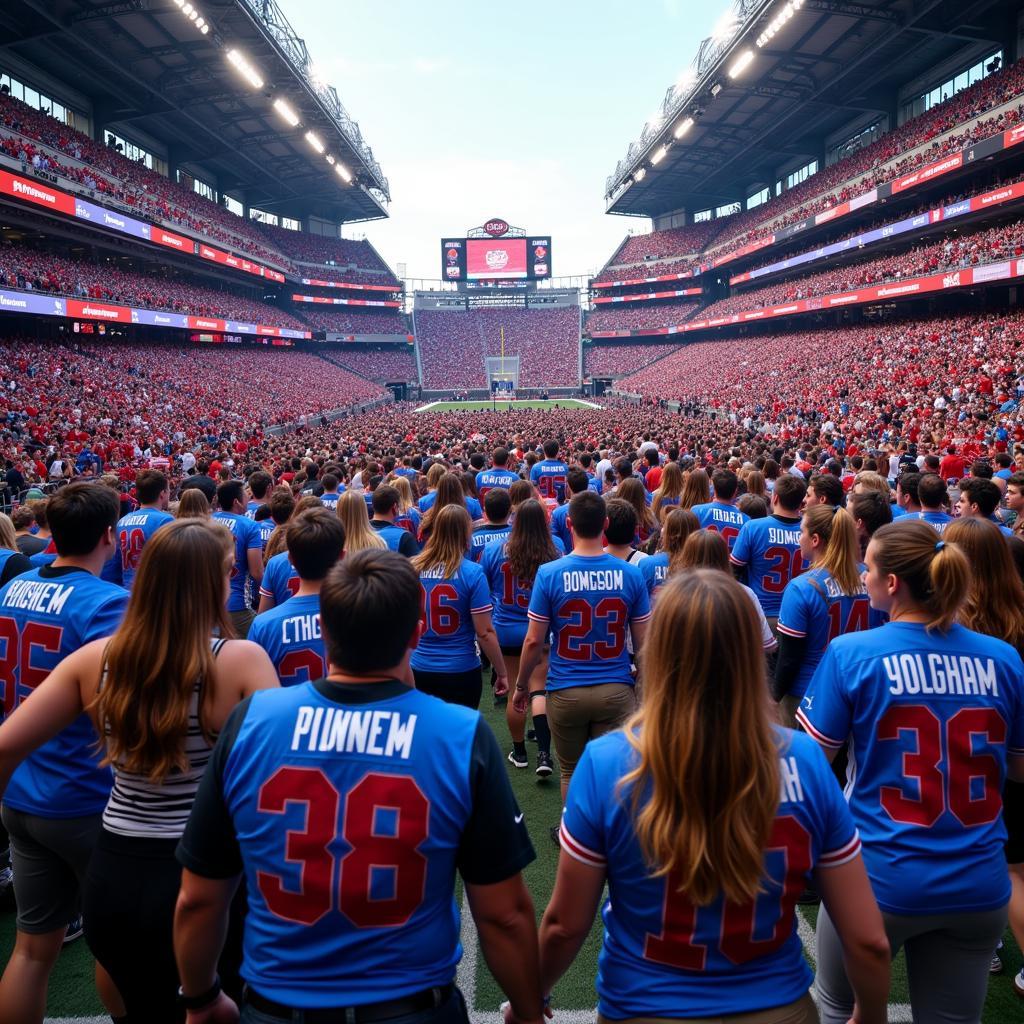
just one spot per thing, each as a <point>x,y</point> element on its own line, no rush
<point>578,714</point>
<point>242,621</point>
<point>803,1011</point>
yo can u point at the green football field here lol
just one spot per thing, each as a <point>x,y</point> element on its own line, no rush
<point>561,403</point>
<point>72,996</point>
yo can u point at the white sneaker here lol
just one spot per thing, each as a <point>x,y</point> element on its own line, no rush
<point>1018,983</point>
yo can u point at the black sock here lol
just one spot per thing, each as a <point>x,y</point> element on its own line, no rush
<point>519,748</point>
<point>540,727</point>
<point>121,1020</point>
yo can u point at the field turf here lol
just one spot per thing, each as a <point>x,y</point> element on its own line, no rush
<point>72,994</point>
<point>562,403</point>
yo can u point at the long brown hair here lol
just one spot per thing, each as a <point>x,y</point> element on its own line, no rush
<point>936,572</point>
<point>529,545</point>
<point>162,648</point>
<point>671,487</point>
<point>839,557</point>
<point>675,530</point>
<point>632,490</point>
<point>193,504</point>
<point>449,541</point>
<point>995,601</point>
<point>696,490</point>
<point>449,492</point>
<point>705,549</point>
<point>359,534</point>
<point>705,790</point>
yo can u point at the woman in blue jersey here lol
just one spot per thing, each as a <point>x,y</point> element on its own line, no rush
<point>12,561</point>
<point>449,492</point>
<point>935,716</point>
<point>706,821</point>
<point>456,614</point>
<point>825,602</point>
<point>510,568</point>
<point>677,525</point>
<point>158,691</point>
<point>409,515</point>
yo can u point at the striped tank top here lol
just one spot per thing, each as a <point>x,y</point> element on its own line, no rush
<point>145,809</point>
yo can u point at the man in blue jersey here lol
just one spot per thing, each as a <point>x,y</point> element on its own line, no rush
<point>578,482</point>
<point>932,496</point>
<point>980,498</point>
<point>290,632</point>
<point>135,529</point>
<point>495,528</point>
<point>385,504</point>
<point>53,802</point>
<point>721,514</point>
<point>259,484</point>
<point>588,601</point>
<point>247,571</point>
<point>349,803</point>
<point>548,475</point>
<point>499,475</point>
<point>333,490</point>
<point>767,551</point>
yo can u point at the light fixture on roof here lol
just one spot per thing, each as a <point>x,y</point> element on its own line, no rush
<point>785,12</point>
<point>658,155</point>
<point>245,69</point>
<point>741,63</point>
<point>282,107</point>
<point>725,27</point>
<point>683,127</point>
<point>314,140</point>
<point>331,160</point>
<point>343,172</point>
<point>640,174</point>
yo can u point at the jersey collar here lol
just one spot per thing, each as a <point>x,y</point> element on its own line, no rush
<point>360,693</point>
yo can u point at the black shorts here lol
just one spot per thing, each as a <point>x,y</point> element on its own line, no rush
<point>1013,816</point>
<point>463,688</point>
<point>512,650</point>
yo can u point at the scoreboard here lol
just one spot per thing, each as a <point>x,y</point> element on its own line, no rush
<point>494,253</point>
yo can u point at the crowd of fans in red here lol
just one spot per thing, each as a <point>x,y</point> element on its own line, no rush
<point>454,343</point>
<point>618,360</point>
<point>337,259</point>
<point>24,267</point>
<point>394,364</point>
<point>349,320</point>
<point>952,252</point>
<point>659,245</point>
<point>636,316</point>
<point>946,380</point>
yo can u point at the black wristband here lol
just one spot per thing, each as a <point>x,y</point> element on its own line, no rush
<point>204,999</point>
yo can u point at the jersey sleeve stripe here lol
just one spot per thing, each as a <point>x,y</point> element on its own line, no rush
<point>770,645</point>
<point>1019,751</point>
<point>640,618</point>
<point>265,593</point>
<point>482,608</point>
<point>736,561</point>
<point>836,858</point>
<point>534,617</point>
<point>789,631</point>
<point>578,851</point>
<point>825,741</point>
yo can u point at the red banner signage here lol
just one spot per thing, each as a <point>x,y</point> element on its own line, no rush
<point>30,190</point>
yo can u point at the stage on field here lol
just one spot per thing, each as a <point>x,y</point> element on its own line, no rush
<point>486,406</point>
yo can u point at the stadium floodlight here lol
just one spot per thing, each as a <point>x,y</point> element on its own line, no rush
<point>741,63</point>
<point>314,140</point>
<point>343,172</point>
<point>193,15</point>
<point>640,174</point>
<point>282,107</point>
<point>785,12</point>
<point>658,155</point>
<point>187,9</point>
<point>180,3</point>
<point>725,27</point>
<point>204,28</point>
<point>683,127</point>
<point>331,160</point>
<point>245,69</point>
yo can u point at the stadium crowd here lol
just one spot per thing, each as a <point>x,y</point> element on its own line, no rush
<point>637,272</point>
<point>603,360</point>
<point>659,245</point>
<point>390,363</point>
<point>353,321</point>
<point>454,343</point>
<point>350,258</point>
<point>638,316</point>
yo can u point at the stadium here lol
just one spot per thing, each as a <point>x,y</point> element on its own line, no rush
<point>830,287</point>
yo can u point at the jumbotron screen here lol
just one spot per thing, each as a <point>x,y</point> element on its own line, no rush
<point>496,259</point>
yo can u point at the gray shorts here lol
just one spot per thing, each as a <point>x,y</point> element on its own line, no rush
<point>50,857</point>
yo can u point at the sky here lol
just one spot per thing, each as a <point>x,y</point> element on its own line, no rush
<point>518,110</point>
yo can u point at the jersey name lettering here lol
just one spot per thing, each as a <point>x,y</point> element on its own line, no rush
<point>300,628</point>
<point>941,674</point>
<point>37,596</point>
<point>789,776</point>
<point>342,730</point>
<point>592,579</point>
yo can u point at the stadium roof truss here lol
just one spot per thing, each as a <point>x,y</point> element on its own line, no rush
<point>716,133</point>
<point>145,65</point>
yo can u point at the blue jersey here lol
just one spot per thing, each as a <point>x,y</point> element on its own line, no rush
<point>589,602</point>
<point>448,643</point>
<point>483,536</point>
<point>133,531</point>
<point>409,520</point>
<point>548,476</point>
<point>813,607</point>
<point>510,595</point>
<point>722,518</point>
<point>560,528</point>
<point>498,476</point>
<point>930,717</point>
<point>45,615</point>
<point>247,538</point>
<point>660,952</point>
<point>266,528</point>
<point>280,580</point>
<point>350,809</point>
<point>937,520</point>
<point>1003,528</point>
<point>898,512</point>
<point>654,571</point>
<point>330,501</point>
<point>472,505</point>
<point>406,471</point>
<point>290,634</point>
<point>769,550</point>
<point>253,507</point>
